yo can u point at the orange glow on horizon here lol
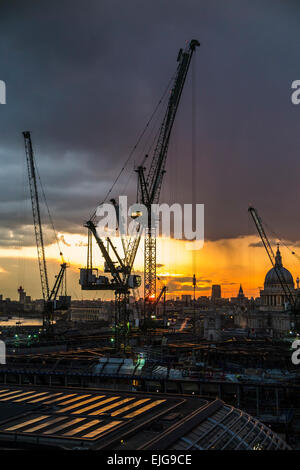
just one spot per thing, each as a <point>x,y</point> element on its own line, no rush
<point>228,262</point>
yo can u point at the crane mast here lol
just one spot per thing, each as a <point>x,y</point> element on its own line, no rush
<point>36,215</point>
<point>150,186</point>
<point>49,297</point>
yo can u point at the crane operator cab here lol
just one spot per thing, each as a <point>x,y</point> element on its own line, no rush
<point>89,279</point>
<point>134,281</point>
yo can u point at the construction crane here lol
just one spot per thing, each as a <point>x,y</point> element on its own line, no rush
<point>288,296</point>
<point>150,184</point>
<point>49,297</point>
<point>162,292</point>
<point>160,295</point>
<point>122,280</point>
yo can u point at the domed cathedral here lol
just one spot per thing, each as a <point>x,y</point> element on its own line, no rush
<point>272,317</point>
<point>272,297</point>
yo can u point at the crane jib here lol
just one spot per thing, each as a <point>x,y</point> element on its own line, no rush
<point>152,184</point>
<point>154,178</point>
<point>259,226</point>
<point>149,189</point>
<point>36,215</point>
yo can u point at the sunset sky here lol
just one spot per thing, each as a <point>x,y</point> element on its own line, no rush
<point>229,262</point>
<point>85,82</point>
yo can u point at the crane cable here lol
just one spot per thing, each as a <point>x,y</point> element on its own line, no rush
<point>281,241</point>
<point>22,213</point>
<point>48,211</point>
<point>146,149</point>
<point>137,143</point>
<point>194,148</point>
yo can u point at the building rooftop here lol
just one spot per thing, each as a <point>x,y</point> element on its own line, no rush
<point>103,419</point>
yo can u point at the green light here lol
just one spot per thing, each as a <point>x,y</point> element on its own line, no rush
<point>112,340</point>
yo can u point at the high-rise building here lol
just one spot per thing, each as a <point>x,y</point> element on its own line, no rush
<point>215,291</point>
<point>187,298</point>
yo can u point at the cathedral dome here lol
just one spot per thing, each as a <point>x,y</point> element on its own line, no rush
<point>271,278</point>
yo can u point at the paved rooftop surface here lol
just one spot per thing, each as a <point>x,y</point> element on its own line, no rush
<point>66,417</point>
<point>32,416</point>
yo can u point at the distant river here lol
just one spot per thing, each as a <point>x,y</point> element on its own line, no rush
<point>24,321</point>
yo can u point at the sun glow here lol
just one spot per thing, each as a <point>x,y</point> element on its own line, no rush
<point>229,262</point>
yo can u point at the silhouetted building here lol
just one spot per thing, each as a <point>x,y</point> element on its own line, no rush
<point>241,294</point>
<point>22,295</point>
<point>273,316</point>
<point>272,295</point>
<point>215,292</point>
<point>186,299</point>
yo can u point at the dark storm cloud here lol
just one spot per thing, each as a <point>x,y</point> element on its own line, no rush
<point>177,287</point>
<point>85,76</point>
<point>227,283</point>
<point>177,284</point>
<point>256,245</point>
<point>184,279</point>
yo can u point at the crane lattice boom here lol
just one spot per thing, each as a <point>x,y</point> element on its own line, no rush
<point>49,297</point>
<point>36,215</point>
<point>150,186</point>
<point>122,279</point>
